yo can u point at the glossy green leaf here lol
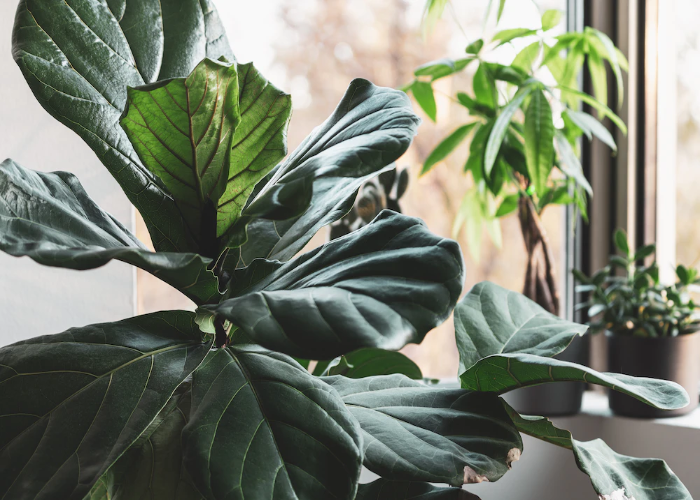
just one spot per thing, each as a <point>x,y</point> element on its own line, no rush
<point>613,58</point>
<point>418,433</point>
<point>152,467</point>
<point>500,128</point>
<point>50,218</point>
<point>592,127</point>
<point>551,19</point>
<point>612,474</point>
<point>259,143</point>
<point>621,242</point>
<point>382,489</point>
<point>526,58</point>
<point>475,47</point>
<point>72,403</point>
<point>569,162</point>
<point>442,67</point>
<point>80,57</point>
<point>448,145</point>
<point>485,88</point>
<point>501,373</point>
<point>371,127</point>
<point>539,139</point>
<point>492,320</point>
<point>182,130</point>
<point>371,361</point>
<point>423,93</point>
<point>263,427</point>
<point>384,285</point>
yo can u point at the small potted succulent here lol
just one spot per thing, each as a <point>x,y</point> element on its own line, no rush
<point>652,327</point>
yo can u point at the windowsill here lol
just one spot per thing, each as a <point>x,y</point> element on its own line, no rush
<point>595,404</point>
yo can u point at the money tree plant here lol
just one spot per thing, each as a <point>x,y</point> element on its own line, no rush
<point>221,403</point>
<point>525,122</point>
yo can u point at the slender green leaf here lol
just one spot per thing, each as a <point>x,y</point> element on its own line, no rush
<point>502,373</point>
<point>601,108</point>
<point>485,88</point>
<point>539,139</point>
<point>551,19</point>
<point>501,6</point>
<point>526,58</point>
<point>448,145</point>
<point>589,125</point>
<point>397,281</point>
<point>599,77</point>
<point>467,438</point>
<point>570,163</point>
<point>264,427</point>
<point>612,475</point>
<point>500,128</point>
<point>371,127</point>
<point>612,56</point>
<point>433,11</point>
<point>492,320</point>
<point>382,489</point>
<point>182,131</point>
<point>475,47</point>
<point>80,57</point>
<point>72,403</point>
<point>423,93</point>
<point>505,36</point>
<point>50,218</point>
<point>621,242</point>
<point>436,69</point>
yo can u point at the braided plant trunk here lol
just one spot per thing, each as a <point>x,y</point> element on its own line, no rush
<point>540,277</point>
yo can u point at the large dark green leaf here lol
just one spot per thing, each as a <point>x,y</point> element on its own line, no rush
<point>382,489</point>
<point>371,127</point>
<point>504,372</point>
<point>539,140</point>
<point>263,427</point>
<point>493,320</point>
<point>152,468</point>
<point>72,403</point>
<point>384,285</point>
<point>614,476</point>
<point>259,143</point>
<point>50,218</point>
<point>417,433</point>
<point>182,129</point>
<point>79,57</point>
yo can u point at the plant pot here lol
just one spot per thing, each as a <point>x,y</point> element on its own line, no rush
<point>667,358</point>
<point>556,399</point>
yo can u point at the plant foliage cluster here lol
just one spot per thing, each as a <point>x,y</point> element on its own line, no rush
<point>626,297</point>
<point>223,403</point>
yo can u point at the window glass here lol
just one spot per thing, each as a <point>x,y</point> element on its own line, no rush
<point>314,48</point>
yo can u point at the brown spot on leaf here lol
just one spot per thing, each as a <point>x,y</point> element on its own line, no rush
<point>470,476</point>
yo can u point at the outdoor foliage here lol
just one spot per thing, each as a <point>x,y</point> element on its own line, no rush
<point>225,402</point>
<point>525,124</point>
<point>626,297</point>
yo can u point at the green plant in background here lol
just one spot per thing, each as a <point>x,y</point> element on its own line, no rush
<point>626,297</point>
<point>222,403</point>
<point>524,131</point>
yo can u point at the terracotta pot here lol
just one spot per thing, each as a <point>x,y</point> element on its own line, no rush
<point>666,358</point>
<point>555,399</point>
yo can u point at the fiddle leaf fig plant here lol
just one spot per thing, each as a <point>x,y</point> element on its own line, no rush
<point>224,402</point>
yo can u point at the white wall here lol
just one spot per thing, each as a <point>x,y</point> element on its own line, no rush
<point>37,300</point>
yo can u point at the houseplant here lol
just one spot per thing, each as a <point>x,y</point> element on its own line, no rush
<point>212,404</point>
<point>652,328</point>
<point>524,132</point>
